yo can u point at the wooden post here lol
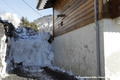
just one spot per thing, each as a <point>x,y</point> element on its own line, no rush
<point>116,8</point>
<point>100,2</point>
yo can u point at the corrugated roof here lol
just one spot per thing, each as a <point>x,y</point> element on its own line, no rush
<point>43,4</point>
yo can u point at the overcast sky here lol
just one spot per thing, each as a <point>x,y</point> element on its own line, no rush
<point>21,9</point>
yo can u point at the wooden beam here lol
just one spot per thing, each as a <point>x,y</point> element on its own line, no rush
<point>116,8</point>
<point>39,2</point>
<point>100,3</point>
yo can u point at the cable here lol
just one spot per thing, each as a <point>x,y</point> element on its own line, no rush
<point>35,11</point>
<point>32,8</point>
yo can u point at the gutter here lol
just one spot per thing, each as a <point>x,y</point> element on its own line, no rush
<point>97,41</point>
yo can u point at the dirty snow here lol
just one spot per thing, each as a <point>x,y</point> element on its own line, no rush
<point>13,18</point>
<point>30,50</point>
<point>60,69</point>
<point>3,50</point>
<point>26,47</point>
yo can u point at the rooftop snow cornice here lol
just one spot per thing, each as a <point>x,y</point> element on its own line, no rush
<point>43,4</point>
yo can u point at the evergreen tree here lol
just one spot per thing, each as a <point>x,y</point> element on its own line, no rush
<point>33,26</point>
<point>25,23</point>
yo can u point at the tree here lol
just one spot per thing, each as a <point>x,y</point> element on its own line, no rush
<point>33,26</point>
<point>25,23</point>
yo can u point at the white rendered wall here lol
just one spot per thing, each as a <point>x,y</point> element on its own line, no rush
<point>76,51</point>
<point>112,48</point>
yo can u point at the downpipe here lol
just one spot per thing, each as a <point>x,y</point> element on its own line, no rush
<point>97,41</point>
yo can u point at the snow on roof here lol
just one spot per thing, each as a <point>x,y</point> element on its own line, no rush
<point>43,4</point>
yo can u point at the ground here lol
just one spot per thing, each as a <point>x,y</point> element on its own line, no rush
<point>45,73</point>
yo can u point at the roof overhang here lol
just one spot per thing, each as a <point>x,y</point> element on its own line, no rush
<point>43,4</point>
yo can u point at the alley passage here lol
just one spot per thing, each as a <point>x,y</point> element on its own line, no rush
<point>27,55</point>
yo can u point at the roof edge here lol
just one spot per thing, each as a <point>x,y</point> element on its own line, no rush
<point>44,4</point>
<point>39,2</point>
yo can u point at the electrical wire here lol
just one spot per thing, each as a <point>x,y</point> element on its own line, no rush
<point>34,11</point>
<point>32,8</point>
<point>19,13</point>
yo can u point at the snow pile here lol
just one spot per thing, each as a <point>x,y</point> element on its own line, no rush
<point>55,68</point>
<point>13,18</point>
<point>32,49</point>
<point>27,48</point>
<point>61,70</point>
<point>3,50</point>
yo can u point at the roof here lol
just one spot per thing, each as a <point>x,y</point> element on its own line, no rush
<point>43,4</point>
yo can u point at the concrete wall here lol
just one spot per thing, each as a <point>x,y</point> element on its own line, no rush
<point>112,48</point>
<point>76,51</point>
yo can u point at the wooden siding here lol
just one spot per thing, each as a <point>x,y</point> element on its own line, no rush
<point>43,4</point>
<point>77,14</point>
<point>73,14</point>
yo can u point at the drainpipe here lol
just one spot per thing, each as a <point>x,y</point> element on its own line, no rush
<point>97,41</point>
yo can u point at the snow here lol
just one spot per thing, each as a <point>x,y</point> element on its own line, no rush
<point>27,47</point>
<point>13,18</point>
<point>2,57</point>
<point>55,68</point>
<point>30,50</point>
<point>60,69</point>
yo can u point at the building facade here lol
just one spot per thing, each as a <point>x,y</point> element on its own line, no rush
<point>86,36</point>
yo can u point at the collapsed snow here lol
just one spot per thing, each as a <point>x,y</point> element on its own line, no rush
<point>13,18</point>
<point>30,50</point>
<point>26,48</point>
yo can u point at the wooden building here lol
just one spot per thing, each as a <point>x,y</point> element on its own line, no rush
<point>74,32</point>
<point>73,14</point>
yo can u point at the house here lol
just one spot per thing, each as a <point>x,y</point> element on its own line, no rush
<point>86,36</point>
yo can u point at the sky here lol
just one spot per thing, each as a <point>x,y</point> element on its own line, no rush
<point>20,8</point>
